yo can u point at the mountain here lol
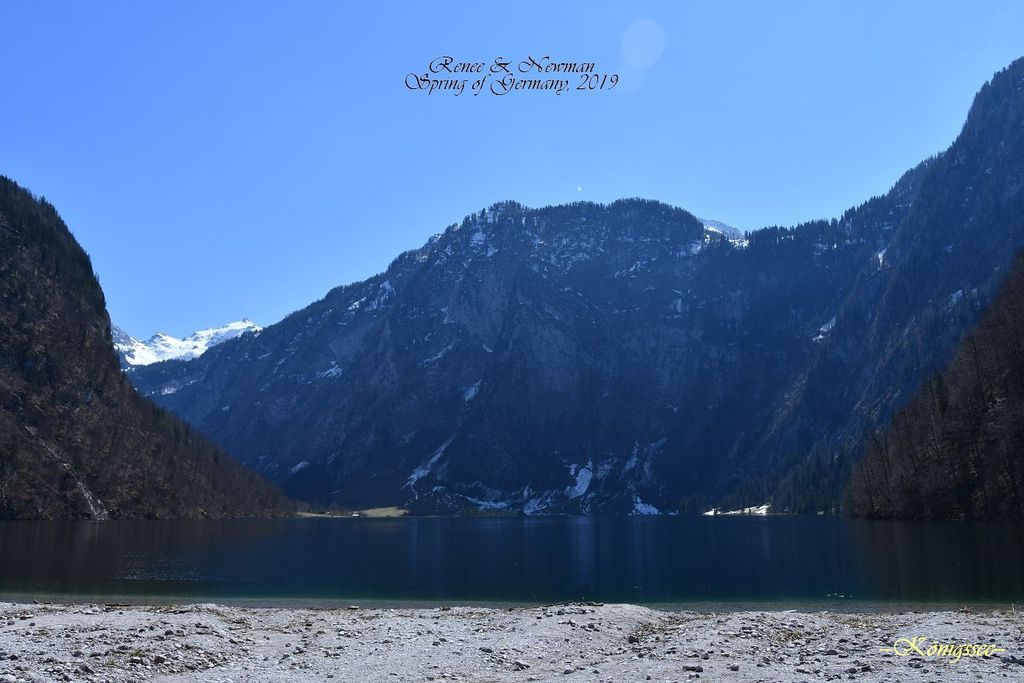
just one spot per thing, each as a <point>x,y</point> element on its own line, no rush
<point>622,357</point>
<point>76,440</point>
<point>581,357</point>
<point>162,346</point>
<point>957,449</point>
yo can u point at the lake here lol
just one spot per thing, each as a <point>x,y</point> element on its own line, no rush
<point>783,560</point>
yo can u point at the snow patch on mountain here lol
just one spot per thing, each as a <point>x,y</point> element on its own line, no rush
<point>471,391</point>
<point>487,504</point>
<point>437,356</point>
<point>384,292</point>
<point>536,505</point>
<point>824,330</point>
<point>584,475</point>
<point>427,467</point>
<point>642,508</point>
<point>331,372</point>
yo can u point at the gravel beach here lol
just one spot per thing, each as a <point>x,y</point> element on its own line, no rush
<point>572,642</point>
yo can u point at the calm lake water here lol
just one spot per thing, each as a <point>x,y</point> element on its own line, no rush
<point>520,560</point>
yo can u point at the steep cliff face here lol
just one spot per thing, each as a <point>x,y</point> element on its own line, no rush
<point>621,357</point>
<point>76,441</point>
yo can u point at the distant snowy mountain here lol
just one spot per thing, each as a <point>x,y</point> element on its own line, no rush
<point>162,346</point>
<point>727,230</point>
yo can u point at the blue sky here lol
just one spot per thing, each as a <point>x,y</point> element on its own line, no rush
<point>221,160</point>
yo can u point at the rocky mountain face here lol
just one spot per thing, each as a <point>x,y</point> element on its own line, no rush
<point>162,346</point>
<point>76,440</point>
<point>622,357</point>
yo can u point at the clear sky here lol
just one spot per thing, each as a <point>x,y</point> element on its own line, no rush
<point>221,160</point>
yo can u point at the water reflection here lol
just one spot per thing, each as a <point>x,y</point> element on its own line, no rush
<point>638,559</point>
<point>945,561</point>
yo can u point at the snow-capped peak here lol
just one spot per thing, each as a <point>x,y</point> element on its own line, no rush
<point>162,346</point>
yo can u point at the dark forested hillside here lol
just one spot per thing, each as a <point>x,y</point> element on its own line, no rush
<point>623,357</point>
<point>957,450</point>
<point>76,441</point>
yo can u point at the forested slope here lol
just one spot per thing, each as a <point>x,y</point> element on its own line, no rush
<point>76,440</point>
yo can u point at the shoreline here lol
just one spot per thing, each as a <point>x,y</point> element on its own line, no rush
<point>572,642</point>
<point>725,606</point>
